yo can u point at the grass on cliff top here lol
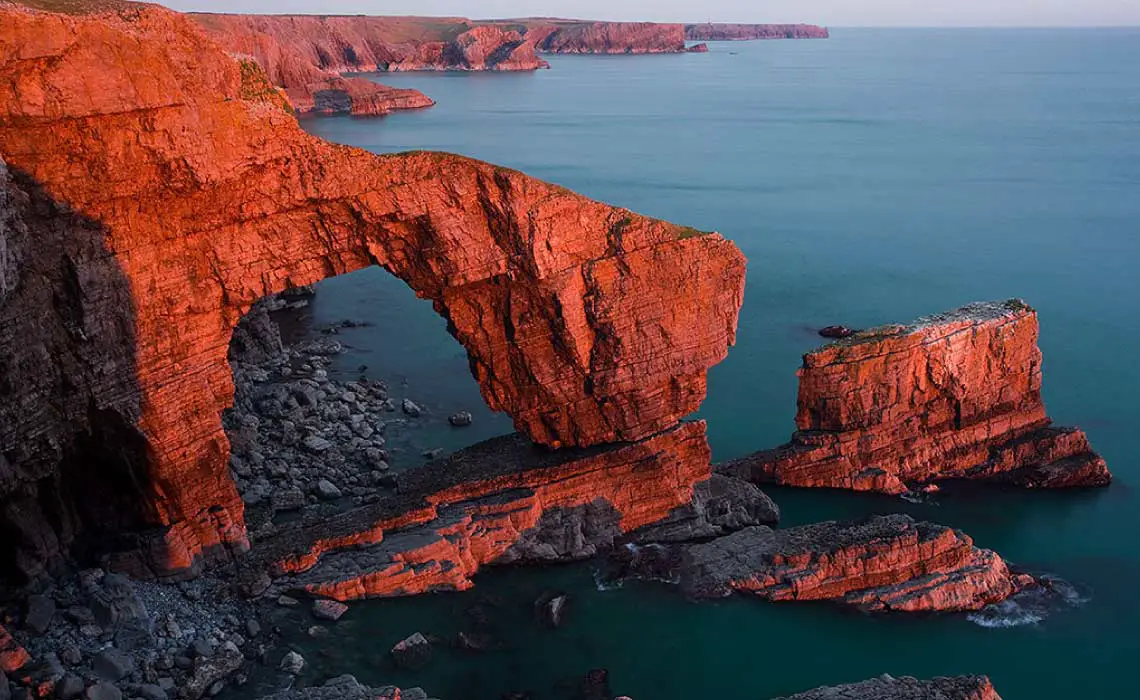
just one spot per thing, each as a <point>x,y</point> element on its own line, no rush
<point>255,86</point>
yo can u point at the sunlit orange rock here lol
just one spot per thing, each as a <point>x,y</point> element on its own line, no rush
<point>952,396</point>
<point>500,501</point>
<point>889,563</point>
<point>588,324</point>
<point>12,656</point>
<point>559,36</point>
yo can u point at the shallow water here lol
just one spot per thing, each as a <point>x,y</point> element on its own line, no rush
<point>874,177</point>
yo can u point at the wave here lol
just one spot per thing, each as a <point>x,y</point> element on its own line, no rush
<point>1031,606</point>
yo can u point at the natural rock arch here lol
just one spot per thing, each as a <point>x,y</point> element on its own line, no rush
<point>586,323</point>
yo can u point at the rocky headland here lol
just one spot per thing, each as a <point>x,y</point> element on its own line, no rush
<point>170,469</point>
<point>955,396</point>
<point>711,31</point>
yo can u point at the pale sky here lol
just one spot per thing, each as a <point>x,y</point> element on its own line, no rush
<point>836,13</point>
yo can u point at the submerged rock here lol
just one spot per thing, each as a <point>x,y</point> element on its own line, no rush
<point>906,688</point>
<point>329,609</point>
<point>836,332</point>
<point>292,663</point>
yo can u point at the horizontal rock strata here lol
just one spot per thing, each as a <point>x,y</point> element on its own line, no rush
<point>748,32</point>
<point>886,563</point>
<point>504,501</point>
<point>906,688</point>
<point>953,396</point>
<point>193,196</point>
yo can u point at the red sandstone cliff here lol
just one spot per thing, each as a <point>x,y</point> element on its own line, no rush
<point>747,32</point>
<point>504,501</point>
<point>306,54</point>
<point>174,195</point>
<point>584,37</point>
<point>953,396</point>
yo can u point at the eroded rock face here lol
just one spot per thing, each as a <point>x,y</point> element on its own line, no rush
<point>307,55</point>
<point>501,501</point>
<point>886,563</point>
<point>747,32</point>
<point>588,324</point>
<point>906,688</point>
<point>952,396</point>
<point>584,37</point>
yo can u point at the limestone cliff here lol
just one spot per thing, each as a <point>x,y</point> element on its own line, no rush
<point>174,198</point>
<point>747,32</point>
<point>952,396</point>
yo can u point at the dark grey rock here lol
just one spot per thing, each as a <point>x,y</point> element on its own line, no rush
<point>252,628</point>
<point>113,665</point>
<point>201,648</point>
<point>551,608</point>
<point>148,691</point>
<point>70,654</point>
<point>115,604</point>
<point>720,505</point>
<point>413,694</point>
<point>39,614</point>
<point>103,691</point>
<point>411,408</point>
<point>166,683</point>
<point>434,453</point>
<point>328,490</point>
<point>903,688</point>
<point>225,662</point>
<point>461,419</point>
<point>5,691</point>
<point>292,663</point>
<point>412,653</point>
<point>329,609</point>
<point>70,686</point>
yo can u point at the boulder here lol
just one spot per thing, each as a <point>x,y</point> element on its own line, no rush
<point>103,691</point>
<point>113,665</point>
<point>411,408</point>
<point>461,419</point>
<point>292,663</point>
<point>412,653</point>
<point>329,609</point>
<point>39,614</point>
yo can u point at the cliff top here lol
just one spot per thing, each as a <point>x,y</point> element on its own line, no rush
<point>977,313</point>
<point>75,7</point>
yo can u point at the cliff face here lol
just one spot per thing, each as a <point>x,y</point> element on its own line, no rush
<point>906,688</point>
<point>571,37</point>
<point>954,396</point>
<point>747,32</point>
<point>189,198</point>
<point>307,54</point>
<point>503,501</point>
<point>887,563</point>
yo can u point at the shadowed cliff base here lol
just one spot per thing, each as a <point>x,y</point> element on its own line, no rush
<point>586,323</point>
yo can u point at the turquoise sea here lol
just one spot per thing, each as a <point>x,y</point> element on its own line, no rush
<point>874,177</point>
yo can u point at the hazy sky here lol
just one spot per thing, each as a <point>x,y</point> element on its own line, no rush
<point>830,12</point>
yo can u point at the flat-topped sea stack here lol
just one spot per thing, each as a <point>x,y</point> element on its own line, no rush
<point>951,396</point>
<point>712,31</point>
<point>883,564</point>
<point>152,193</point>
<point>906,688</point>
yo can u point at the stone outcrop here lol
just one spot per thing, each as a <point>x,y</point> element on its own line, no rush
<point>747,32</point>
<point>174,200</point>
<point>504,501</point>
<point>886,563</point>
<point>906,688</point>
<point>951,396</point>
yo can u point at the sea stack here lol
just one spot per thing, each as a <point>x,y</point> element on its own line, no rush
<point>951,396</point>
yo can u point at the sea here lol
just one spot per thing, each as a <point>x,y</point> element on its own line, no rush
<point>874,177</point>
